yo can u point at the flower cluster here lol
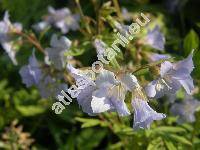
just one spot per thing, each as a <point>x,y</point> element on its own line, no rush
<point>108,94</point>
<point>109,90</point>
<point>34,74</point>
<point>61,18</point>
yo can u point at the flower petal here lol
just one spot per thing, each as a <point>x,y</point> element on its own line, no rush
<point>187,84</point>
<point>157,57</point>
<point>84,99</point>
<point>150,89</point>
<point>186,63</point>
<point>144,115</point>
<point>165,68</point>
<point>120,106</point>
<point>156,39</point>
<point>129,80</point>
<point>100,101</point>
<point>106,77</point>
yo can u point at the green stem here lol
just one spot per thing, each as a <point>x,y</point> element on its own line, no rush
<point>115,64</point>
<point>152,64</point>
<point>116,5</point>
<point>83,16</point>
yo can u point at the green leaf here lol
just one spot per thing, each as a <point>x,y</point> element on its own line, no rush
<point>191,41</point>
<point>30,110</point>
<point>89,138</point>
<point>169,129</point>
<point>88,122</point>
<point>179,139</point>
<point>169,145</point>
<point>156,144</point>
<point>115,146</point>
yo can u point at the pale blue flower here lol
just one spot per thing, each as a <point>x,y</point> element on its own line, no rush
<point>155,38</point>
<point>107,93</point>
<point>173,76</point>
<point>126,15</point>
<point>31,73</point>
<point>144,115</point>
<point>100,46</point>
<point>123,29</point>
<point>185,110</point>
<point>110,92</point>
<point>84,99</point>
<point>6,40</point>
<point>84,95</point>
<point>63,19</point>
<point>80,74</point>
<point>56,54</point>
<point>41,26</point>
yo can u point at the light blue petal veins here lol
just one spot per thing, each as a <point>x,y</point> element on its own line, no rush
<point>109,95</point>
<point>84,99</point>
<point>165,68</point>
<point>31,73</point>
<point>185,64</point>
<point>161,87</point>
<point>157,57</point>
<point>129,81</point>
<point>172,86</point>
<point>120,106</point>
<point>156,39</point>
<point>181,73</point>
<point>106,77</point>
<point>144,115</point>
<point>173,76</point>
<point>187,84</point>
<point>185,110</point>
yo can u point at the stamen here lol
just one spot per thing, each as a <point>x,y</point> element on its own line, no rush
<point>164,82</point>
<point>161,85</point>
